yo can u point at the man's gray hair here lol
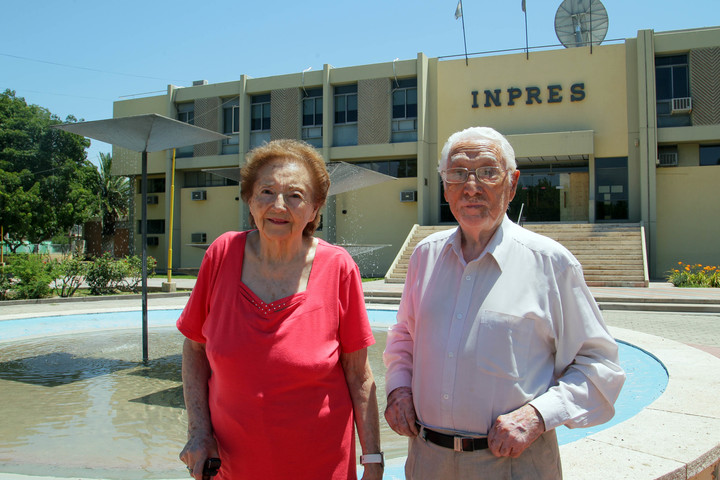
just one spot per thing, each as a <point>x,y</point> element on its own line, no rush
<point>475,134</point>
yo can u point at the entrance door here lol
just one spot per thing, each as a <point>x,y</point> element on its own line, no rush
<point>555,194</point>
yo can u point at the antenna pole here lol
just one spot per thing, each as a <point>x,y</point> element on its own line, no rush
<point>591,25</point>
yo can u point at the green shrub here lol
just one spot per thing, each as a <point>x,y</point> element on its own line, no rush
<point>70,272</point>
<point>107,275</point>
<point>132,276</point>
<point>694,275</point>
<point>5,282</point>
<point>32,275</point>
<point>104,275</point>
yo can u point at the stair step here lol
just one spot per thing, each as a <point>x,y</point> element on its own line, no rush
<point>610,254</point>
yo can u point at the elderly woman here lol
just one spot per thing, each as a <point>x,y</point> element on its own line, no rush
<point>275,366</point>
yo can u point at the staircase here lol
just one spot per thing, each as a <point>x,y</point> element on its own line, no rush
<point>612,255</point>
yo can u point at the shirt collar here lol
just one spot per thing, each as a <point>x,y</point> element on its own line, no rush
<point>498,249</point>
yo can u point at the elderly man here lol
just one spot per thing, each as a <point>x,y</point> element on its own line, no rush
<point>498,339</point>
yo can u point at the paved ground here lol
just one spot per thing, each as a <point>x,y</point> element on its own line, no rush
<point>675,319</point>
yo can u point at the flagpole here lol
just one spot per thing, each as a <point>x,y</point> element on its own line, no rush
<point>527,47</point>
<point>460,14</point>
<point>462,17</point>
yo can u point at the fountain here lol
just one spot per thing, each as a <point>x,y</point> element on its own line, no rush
<point>74,390</point>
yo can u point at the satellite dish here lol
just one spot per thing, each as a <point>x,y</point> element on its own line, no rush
<point>580,23</point>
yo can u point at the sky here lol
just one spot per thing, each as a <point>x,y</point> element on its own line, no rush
<point>77,57</point>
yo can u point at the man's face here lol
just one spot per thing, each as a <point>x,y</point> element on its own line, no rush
<point>479,204</point>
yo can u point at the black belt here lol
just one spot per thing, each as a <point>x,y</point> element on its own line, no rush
<point>459,444</point>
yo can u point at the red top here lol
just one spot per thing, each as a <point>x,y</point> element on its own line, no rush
<point>279,402</point>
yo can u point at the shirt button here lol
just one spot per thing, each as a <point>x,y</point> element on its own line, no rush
<point>468,278</point>
<point>451,355</point>
<point>459,316</point>
<point>446,396</point>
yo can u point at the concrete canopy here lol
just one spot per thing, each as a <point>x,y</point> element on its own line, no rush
<point>143,133</point>
<point>344,177</point>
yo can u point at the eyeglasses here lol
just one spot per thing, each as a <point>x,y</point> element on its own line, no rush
<point>489,175</point>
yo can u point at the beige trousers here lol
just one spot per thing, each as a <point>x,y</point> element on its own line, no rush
<point>427,461</point>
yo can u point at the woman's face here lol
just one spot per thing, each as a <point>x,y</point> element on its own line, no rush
<point>282,200</point>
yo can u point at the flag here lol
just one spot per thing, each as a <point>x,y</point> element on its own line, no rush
<point>523,5</point>
<point>458,10</point>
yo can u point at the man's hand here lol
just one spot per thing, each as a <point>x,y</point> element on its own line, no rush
<point>400,412</point>
<point>513,433</point>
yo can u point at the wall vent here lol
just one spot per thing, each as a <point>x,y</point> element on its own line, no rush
<point>153,241</point>
<point>152,200</point>
<point>199,195</point>
<point>668,159</point>
<point>681,105</point>
<point>408,196</point>
<point>198,238</point>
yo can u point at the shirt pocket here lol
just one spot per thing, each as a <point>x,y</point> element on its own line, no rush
<point>503,344</point>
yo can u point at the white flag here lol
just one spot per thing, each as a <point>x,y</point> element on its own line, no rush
<point>458,10</point>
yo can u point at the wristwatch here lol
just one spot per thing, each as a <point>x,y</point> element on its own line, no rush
<point>373,458</point>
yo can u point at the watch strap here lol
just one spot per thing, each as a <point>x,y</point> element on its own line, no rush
<point>373,458</point>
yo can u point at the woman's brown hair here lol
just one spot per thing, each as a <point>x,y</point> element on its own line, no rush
<point>293,151</point>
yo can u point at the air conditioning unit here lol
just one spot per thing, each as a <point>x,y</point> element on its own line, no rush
<point>198,238</point>
<point>153,241</point>
<point>199,195</point>
<point>668,159</point>
<point>152,200</point>
<point>681,105</point>
<point>408,196</point>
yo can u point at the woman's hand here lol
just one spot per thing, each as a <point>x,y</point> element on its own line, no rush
<point>198,449</point>
<point>373,471</point>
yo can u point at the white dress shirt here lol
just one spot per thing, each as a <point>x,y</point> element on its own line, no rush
<point>516,325</point>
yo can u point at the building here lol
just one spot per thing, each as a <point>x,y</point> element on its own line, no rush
<point>623,132</point>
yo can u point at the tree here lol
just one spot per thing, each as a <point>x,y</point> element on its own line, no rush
<point>115,195</point>
<point>47,184</point>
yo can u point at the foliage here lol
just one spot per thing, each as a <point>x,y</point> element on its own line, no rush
<point>107,275</point>
<point>47,185</point>
<point>133,272</point>
<point>115,194</point>
<point>104,275</point>
<point>5,282</point>
<point>696,275</point>
<point>32,275</point>
<point>69,275</point>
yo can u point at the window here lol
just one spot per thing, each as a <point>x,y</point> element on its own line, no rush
<point>312,116</point>
<point>672,82</point>
<point>186,114</point>
<point>709,155</point>
<point>259,120</point>
<point>611,183</point>
<point>260,113</point>
<point>206,179</point>
<point>231,126</point>
<point>346,116</point>
<point>405,168</point>
<point>404,110</point>
<point>154,227</point>
<point>346,104</point>
<point>154,185</point>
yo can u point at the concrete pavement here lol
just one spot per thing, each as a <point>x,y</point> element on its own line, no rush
<point>677,436</point>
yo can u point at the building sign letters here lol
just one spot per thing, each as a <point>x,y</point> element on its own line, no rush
<point>530,95</point>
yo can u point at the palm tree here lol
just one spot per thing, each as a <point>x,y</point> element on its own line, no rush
<point>115,195</point>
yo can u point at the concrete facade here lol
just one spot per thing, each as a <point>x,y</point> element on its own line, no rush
<point>594,139</point>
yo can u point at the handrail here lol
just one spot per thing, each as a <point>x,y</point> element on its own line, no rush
<point>519,220</point>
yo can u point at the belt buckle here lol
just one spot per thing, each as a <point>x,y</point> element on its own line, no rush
<point>459,444</point>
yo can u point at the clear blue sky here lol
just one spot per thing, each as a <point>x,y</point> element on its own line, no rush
<point>79,56</point>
